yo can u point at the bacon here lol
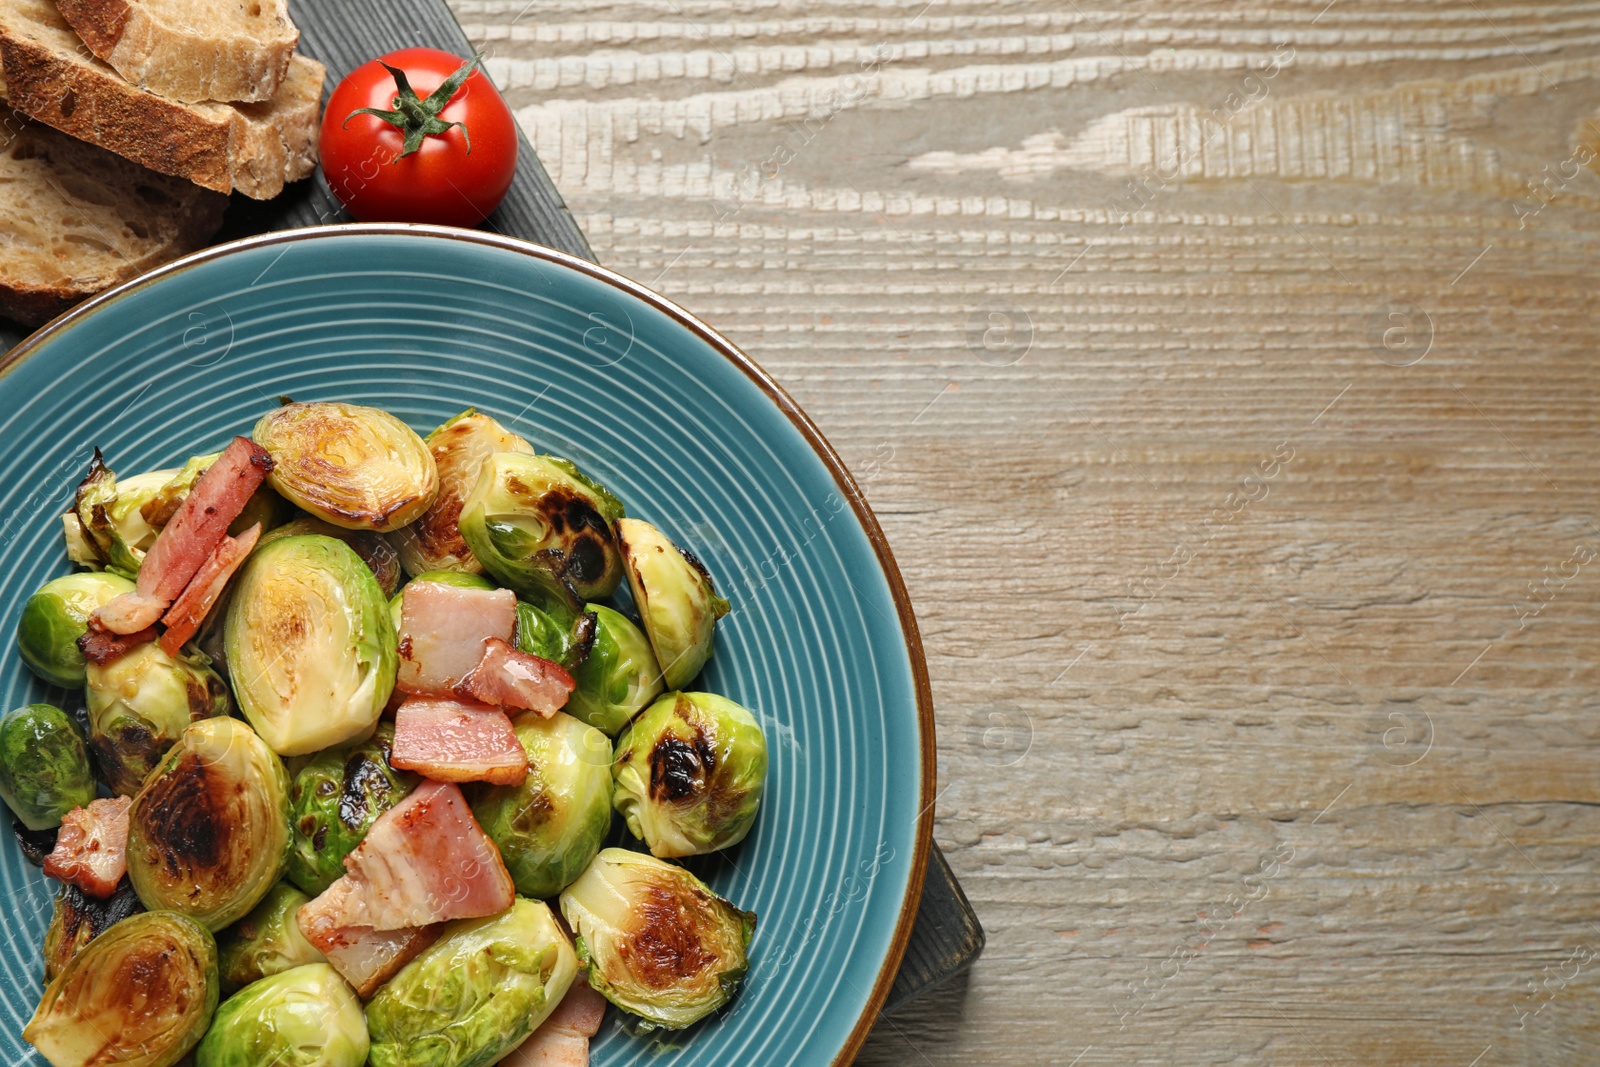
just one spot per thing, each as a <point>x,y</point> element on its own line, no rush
<point>442,631</point>
<point>425,860</point>
<point>511,678</point>
<point>562,1040</point>
<point>92,849</point>
<point>366,958</point>
<point>193,534</point>
<point>183,619</point>
<point>101,647</point>
<point>449,741</point>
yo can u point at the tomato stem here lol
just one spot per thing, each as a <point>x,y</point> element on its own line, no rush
<point>418,118</point>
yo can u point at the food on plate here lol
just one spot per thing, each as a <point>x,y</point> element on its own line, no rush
<point>511,678</point>
<point>373,548</point>
<point>334,800</point>
<point>657,942</point>
<point>92,848</point>
<point>44,766</point>
<point>54,618</point>
<point>541,634</point>
<point>619,675</point>
<point>365,957</point>
<point>265,942</point>
<point>302,1017</point>
<point>562,1040</point>
<point>79,918</point>
<point>140,703</point>
<point>418,135</point>
<point>675,597</point>
<point>689,774</point>
<point>442,632</point>
<point>452,741</point>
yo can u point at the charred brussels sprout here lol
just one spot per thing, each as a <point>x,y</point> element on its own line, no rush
<point>675,597</point>
<point>44,768</point>
<point>311,647</point>
<point>139,704</point>
<point>459,579</point>
<point>108,514</point>
<point>657,942</point>
<point>618,677</point>
<point>689,774</point>
<point>356,467</point>
<point>374,549</point>
<point>542,529</point>
<point>139,995</point>
<point>550,827</point>
<point>303,1017</point>
<point>333,803</point>
<point>476,994</point>
<point>265,942</point>
<point>56,616</point>
<point>79,918</point>
<point>208,834</point>
<point>459,447</point>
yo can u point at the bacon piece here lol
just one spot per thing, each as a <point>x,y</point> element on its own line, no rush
<point>92,849</point>
<point>425,860</point>
<point>183,619</point>
<point>101,646</point>
<point>194,532</point>
<point>366,958</point>
<point>511,678</point>
<point>442,631</point>
<point>449,741</point>
<point>562,1040</point>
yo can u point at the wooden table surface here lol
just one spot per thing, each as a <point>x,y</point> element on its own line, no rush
<point>1225,381</point>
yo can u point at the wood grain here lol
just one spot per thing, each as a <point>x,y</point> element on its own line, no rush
<point>1224,380</point>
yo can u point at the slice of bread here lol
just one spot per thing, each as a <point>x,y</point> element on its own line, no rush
<point>252,148</point>
<point>76,220</point>
<point>191,50</point>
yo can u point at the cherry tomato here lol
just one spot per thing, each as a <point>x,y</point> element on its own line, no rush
<point>462,146</point>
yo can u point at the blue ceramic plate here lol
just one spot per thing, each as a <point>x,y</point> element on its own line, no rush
<point>690,433</point>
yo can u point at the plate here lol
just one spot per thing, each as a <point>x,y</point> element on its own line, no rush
<point>687,430</point>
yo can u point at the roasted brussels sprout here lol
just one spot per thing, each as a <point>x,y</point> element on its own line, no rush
<point>550,827</point>
<point>459,447</point>
<point>265,942</point>
<point>540,634</point>
<point>80,918</point>
<point>619,675</point>
<point>657,942</point>
<point>459,579</point>
<point>311,647</point>
<point>208,835</point>
<point>333,803</point>
<point>303,1017</point>
<point>356,467</point>
<point>139,995</point>
<point>56,616</point>
<point>673,592</point>
<point>543,529</point>
<point>374,549</point>
<point>100,503</point>
<point>140,703</point>
<point>476,994</point>
<point>44,767</point>
<point>689,774</point>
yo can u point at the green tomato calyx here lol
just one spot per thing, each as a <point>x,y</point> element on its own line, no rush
<point>419,118</point>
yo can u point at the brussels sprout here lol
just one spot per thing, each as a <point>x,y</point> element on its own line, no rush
<point>333,803</point>
<point>374,549</point>
<point>94,502</point>
<point>139,995</point>
<point>56,616</point>
<point>657,942</point>
<point>311,647</point>
<point>265,942</point>
<point>618,676</point>
<point>80,918</point>
<point>550,827</point>
<point>356,467</point>
<point>208,835</point>
<point>44,768</point>
<point>476,994</point>
<point>459,579</point>
<point>303,1017</point>
<point>675,597</point>
<point>459,447</point>
<point>264,507</point>
<point>541,528</point>
<point>140,703</point>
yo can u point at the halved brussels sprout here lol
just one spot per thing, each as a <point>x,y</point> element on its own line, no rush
<point>476,994</point>
<point>311,647</point>
<point>550,827</point>
<point>265,942</point>
<point>618,676</point>
<point>657,942</point>
<point>543,529</point>
<point>140,703</point>
<point>689,774</point>
<point>94,502</point>
<point>208,835</point>
<point>459,579</point>
<point>44,767</point>
<point>303,1017</point>
<point>373,548</point>
<point>139,995</point>
<point>79,918</point>
<point>56,616</point>
<point>675,597</point>
<point>356,467</point>
<point>459,447</point>
<point>334,801</point>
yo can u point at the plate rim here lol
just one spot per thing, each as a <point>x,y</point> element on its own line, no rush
<point>764,381</point>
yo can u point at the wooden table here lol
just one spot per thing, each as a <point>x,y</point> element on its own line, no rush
<point>1226,384</point>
